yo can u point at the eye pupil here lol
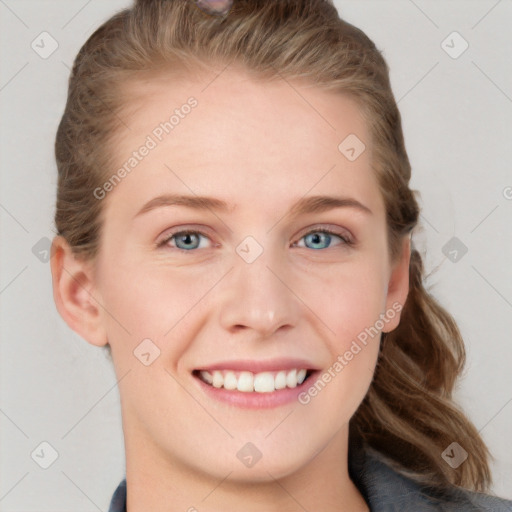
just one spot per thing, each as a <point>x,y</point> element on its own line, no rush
<point>318,237</point>
<point>186,239</point>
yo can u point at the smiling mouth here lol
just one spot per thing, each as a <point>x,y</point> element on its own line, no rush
<point>247,382</point>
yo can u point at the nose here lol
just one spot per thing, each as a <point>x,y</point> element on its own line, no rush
<point>258,297</point>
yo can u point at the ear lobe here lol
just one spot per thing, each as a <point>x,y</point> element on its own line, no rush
<point>398,286</point>
<point>73,292</point>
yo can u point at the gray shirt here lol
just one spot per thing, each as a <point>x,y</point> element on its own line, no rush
<point>386,490</point>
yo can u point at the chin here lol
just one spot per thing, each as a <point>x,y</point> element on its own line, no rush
<point>264,472</point>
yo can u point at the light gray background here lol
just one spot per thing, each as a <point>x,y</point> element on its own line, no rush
<point>457,116</point>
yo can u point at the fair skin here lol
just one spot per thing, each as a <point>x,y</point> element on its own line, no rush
<point>260,147</point>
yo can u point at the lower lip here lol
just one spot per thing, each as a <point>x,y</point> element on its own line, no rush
<point>254,400</point>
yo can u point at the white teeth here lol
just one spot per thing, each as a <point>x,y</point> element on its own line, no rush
<point>264,382</point>
<point>291,379</point>
<point>218,380</point>
<point>230,381</point>
<point>245,382</point>
<point>280,380</point>
<point>207,377</point>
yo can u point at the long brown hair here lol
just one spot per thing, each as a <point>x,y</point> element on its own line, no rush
<point>408,414</point>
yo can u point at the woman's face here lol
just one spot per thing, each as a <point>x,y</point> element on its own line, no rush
<point>262,283</point>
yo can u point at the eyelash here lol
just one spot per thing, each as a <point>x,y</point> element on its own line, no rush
<point>344,238</point>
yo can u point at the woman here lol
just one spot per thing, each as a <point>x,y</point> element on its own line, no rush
<point>234,224</point>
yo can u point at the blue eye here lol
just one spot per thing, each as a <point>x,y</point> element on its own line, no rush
<point>185,240</point>
<point>323,237</point>
<point>191,240</point>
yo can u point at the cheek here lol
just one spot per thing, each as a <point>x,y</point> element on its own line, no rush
<point>149,300</point>
<point>348,300</point>
<point>351,306</point>
<point>142,303</point>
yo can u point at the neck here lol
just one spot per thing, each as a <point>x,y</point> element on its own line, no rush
<point>159,483</point>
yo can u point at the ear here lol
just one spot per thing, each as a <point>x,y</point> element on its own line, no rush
<point>74,294</point>
<point>398,285</point>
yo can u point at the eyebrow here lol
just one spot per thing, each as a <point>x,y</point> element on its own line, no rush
<point>309,204</point>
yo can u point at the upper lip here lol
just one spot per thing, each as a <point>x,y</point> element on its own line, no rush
<point>269,365</point>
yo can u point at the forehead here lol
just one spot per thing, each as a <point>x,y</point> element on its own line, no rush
<point>233,95</point>
<point>243,136</point>
<point>233,90</point>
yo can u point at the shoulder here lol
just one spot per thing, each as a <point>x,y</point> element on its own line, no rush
<point>387,490</point>
<point>118,501</point>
